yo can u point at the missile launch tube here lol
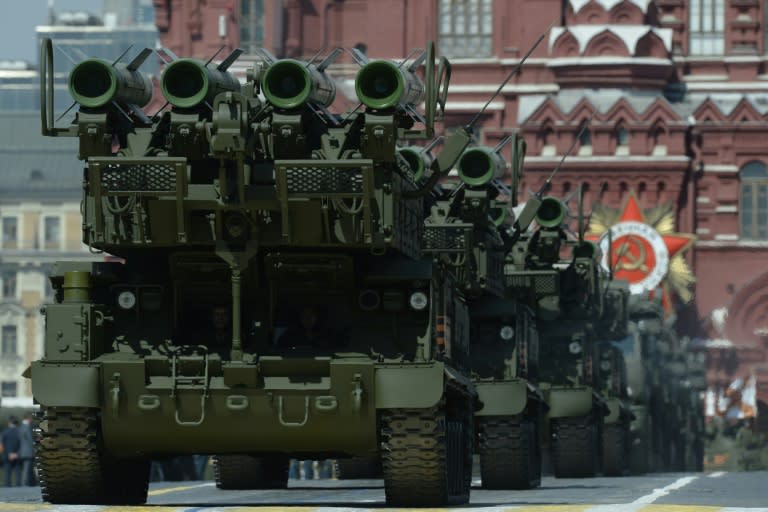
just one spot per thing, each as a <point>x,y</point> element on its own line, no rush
<point>418,160</point>
<point>478,166</point>
<point>94,83</point>
<point>290,83</point>
<point>187,83</point>
<point>381,85</point>
<point>551,213</point>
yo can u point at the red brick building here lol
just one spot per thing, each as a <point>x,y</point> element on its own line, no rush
<point>679,91</point>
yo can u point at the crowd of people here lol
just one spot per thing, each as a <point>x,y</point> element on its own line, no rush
<point>17,445</point>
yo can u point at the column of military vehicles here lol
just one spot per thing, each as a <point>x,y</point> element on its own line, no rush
<point>291,282</point>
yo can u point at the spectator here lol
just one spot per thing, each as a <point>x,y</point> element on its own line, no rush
<point>11,446</point>
<point>27,451</point>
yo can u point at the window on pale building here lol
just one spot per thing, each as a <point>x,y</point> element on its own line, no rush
<point>706,27</point>
<point>8,341</point>
<point>753,212</point>
<point>466,28</point>
<point>8,389</point>
<point>9,284</point>
<point>10,232</point>
<point>52,232</point>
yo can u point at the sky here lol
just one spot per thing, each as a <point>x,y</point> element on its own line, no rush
<point>20,17</point>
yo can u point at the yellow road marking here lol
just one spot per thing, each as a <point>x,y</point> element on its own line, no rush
<point>23,507</point>
<point>268,508</point>
<point>551,508</point>
<point>132,508</point>
<point>679,508</point>
<point>166,490</point>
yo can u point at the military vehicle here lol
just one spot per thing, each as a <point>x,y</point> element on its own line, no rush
<point>665,383</point>
<point>612,368</point>
<point>567,298</point>
<point>266,295</point>
<point>462,235</point>
<point>270,299</point>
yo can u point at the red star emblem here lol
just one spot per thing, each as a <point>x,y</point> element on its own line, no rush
<point>640,252</point>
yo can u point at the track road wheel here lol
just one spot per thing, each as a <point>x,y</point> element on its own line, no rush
<point>250,472</point>
<point>575,447</point>
<point>616,450</point>
<point>73,467</point>
<point>357,468</point>
<point>510,456</point>
<point>427,454</point>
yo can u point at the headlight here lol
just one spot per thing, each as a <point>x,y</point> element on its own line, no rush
<point>605,365</point>
<point>126,300</point>
<point>506,333</point>
<point>418,300</point>
<point>574,347</point>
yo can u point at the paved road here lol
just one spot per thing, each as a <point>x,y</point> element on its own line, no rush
<point>670,492</point>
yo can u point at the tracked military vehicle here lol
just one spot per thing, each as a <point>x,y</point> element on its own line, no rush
<point>613,325</point>
<point>463,236</point>
<point>668,428</point>
<point>568,302</point>
<point>266,297</point>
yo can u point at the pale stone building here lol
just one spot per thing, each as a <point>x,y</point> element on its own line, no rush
<point>40,223</point>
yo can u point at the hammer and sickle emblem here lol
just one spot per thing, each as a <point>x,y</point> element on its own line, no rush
<point>628,260</point>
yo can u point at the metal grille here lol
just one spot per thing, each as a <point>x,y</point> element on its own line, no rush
<point>444,238</point>
<point>540,283</point>
<point>154,177</point>
<point>408,218</point>
<point>495,277</point>
<point>323,180</point>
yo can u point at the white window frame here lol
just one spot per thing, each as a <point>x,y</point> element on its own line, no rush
<point>2,285</point>
<point>465,28</point>
<point>751,205</point>
<point>2,340</point>
<point>15,244</point>
<point>706,27</point>
<point>16,389</point>
<point>57,244</point>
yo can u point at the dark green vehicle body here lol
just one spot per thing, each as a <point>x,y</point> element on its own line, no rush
<point>463,235</point>
<point>614,324</point>
<point>569,304</point>
<point>267,210</point>
<point>666,383</point>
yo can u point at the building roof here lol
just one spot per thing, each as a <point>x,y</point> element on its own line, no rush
<point>628,34</point>
<point>603,99</point>
<point>33,166</point>
<point>608,4</point>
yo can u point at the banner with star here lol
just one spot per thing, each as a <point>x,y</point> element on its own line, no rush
<point>643,248</point>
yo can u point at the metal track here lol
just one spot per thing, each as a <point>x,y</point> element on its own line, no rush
<point>575,447</point>
<point>72,465</point>
<point>510,454</point>
<point>427,455</point>
<point>250,472</point>
<point>616,450</point>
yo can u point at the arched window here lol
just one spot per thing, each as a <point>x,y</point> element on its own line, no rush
<point>585,142</point>
<point>621,136</point>
<point>754,201</point>
<point>547,139</point>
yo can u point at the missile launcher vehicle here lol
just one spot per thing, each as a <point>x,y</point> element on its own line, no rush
<point>463,235</point>
<point>266,295</point>
<point>568,302</point>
